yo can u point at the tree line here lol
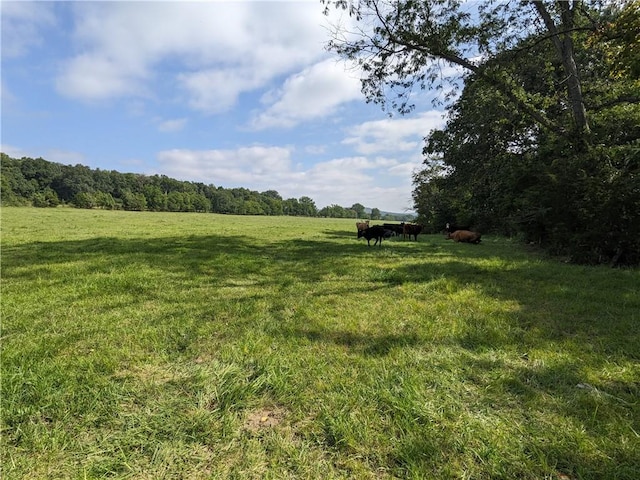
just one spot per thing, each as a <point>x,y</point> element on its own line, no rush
<point>40,183</point>
<point>542,140</point>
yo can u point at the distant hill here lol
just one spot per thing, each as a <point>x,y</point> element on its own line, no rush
<point>400,217</point>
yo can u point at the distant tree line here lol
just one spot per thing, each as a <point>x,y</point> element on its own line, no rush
<point>40,183</point>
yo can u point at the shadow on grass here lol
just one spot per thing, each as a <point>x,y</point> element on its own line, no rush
<point>596,305</point>
<point>554,306</point>
<point>176,255</point>
<point>570,311</point>
<point>369,345</point>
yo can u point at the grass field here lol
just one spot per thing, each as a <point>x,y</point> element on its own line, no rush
<point>171,346</point>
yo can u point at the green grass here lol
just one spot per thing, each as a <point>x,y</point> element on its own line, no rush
<point>157,345</point>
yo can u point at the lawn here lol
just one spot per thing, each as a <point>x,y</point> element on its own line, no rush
<point>156,345</point>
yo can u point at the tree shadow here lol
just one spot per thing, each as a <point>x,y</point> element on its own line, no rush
<point>357,343</point>
<point>596,330</point>
<point>552,308</point>
<point>340,234</point>
<point>226,260</point>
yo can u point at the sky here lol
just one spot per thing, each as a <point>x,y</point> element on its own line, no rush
<point>232,94</point>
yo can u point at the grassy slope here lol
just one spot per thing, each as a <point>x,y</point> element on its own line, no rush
<point>155,345</point>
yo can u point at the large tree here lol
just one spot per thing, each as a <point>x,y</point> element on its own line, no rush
<point>403,45</point>
<point>493,168</point>
<point>543,140</point>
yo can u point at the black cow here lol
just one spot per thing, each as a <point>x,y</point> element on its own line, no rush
<point>411,229</point>
<point>377,232</point>
<point>396,228</point>
<point>450,228</point>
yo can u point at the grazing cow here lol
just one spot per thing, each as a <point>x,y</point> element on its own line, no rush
<point>464,236</point>
<point>396,228</point>
<point>362,225</point>
<point>377,232</point>
<point>411,229</point>
<point>450,227</point>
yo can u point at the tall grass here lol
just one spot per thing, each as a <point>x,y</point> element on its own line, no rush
<point>157,345</point>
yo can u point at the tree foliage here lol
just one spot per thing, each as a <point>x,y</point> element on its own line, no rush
<point>40,183</point>
<point>402,45</point>
<point>497,169</point>
<point>543,139</point>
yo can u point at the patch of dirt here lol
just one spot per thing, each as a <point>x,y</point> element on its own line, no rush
<point>263,418</point>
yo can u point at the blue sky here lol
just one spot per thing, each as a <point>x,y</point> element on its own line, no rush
<point>234,94</point>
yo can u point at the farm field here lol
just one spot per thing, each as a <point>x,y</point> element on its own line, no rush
<point>171,346</point>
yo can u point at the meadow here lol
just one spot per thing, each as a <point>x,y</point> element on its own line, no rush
<point>171,346</point>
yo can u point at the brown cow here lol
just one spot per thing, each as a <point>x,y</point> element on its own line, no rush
<point>464,236</point>
<point>409,229</point>
<point>361,226</point>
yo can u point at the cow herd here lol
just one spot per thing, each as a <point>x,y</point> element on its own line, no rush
<point>456,233</point>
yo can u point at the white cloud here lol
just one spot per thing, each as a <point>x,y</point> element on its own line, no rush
<point>213,51</point>
<point>174,125</point>
<point>241,167</point>
<point>5,94</point>
<point>13,151</point>
<point>393,134</point>
<point>216,90</point>
<point>344,181</point>
<point>405,169</point>
<point>98,78</point>
<point>21,26</point>
<point>66,157</point>
<point>315,92</point>
<point>315,149</point>
<point>211,57</point>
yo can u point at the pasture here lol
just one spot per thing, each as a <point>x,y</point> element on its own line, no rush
<point>169,346</point>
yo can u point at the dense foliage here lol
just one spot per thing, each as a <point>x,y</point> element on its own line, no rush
<point>40,183</point>
<point>497,169</point>
<point>543,141</point>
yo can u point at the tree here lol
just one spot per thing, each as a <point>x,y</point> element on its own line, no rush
<point>622,41</point>
<point>359,209</point>
<point>176,202</point>
<point>44,173</point>
<point>15,188</point>
<point>375,214</point>
<point>83,200</point>
<point>403,44</point>
<point>105,200</point>
<point>46,198</point>
<point>156,198</point>
<point>224,202</point>
<point>290,206</point>
<point>252,207</point>
<point>272,202</point>
<point>134,201</point>
<point>200,203</point>
<point>302,207</point>
<point>307,207</point>
<point>498,170</point>
<point>73,180</point>
<point>333,211</point>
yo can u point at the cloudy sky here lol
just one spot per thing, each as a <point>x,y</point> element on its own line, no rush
<point>234,94</point>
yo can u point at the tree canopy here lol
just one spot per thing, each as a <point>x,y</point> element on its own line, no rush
<point>542,137</point>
